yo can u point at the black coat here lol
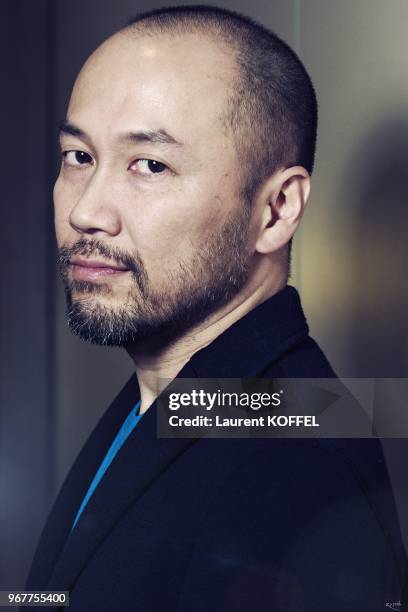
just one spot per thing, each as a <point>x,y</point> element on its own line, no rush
<point>264,525</point>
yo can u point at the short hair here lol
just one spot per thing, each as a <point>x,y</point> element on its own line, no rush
<point>272,109</point>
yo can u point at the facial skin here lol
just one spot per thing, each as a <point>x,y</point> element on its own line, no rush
<point>150,187</point>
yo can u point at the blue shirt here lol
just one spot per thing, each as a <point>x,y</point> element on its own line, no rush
<point>127,427</point>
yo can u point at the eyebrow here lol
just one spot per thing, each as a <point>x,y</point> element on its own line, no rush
<point>159,136</point>
<point>66,127</point>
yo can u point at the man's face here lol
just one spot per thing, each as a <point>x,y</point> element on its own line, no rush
<point>149,190</point>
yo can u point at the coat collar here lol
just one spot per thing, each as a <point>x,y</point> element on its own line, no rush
<point>243,350</point>
<point>254,342</point>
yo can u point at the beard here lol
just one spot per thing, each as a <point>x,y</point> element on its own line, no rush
<point>195,288</point>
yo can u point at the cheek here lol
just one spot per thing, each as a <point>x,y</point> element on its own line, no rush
<point>170,221</point>
<point>185,214</point>
<point>173,229</point>
<point>163,236</point>
<point>64,199</point>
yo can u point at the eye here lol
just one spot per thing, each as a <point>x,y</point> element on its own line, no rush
<point>148,167</point>
<point>76,158</point>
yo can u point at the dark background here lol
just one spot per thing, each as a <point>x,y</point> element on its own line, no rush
<point>349,257</point>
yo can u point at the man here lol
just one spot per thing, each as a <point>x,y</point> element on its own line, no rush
<point>186,160</point>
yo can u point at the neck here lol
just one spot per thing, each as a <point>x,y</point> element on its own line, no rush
<point>152,368</point>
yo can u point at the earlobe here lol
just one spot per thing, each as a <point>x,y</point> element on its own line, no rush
<point>283,206</point>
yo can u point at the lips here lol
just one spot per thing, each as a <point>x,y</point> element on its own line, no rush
<point>93,269</point>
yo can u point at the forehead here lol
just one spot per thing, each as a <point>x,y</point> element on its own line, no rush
<point>182,83</point>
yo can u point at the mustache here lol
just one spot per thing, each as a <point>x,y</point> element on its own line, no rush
<point>95,247</point>
<point>87,247</point>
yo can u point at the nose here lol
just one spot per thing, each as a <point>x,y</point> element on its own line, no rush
<point>96,211</point>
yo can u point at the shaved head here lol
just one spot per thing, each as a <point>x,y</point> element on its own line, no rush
<point>271,107</point>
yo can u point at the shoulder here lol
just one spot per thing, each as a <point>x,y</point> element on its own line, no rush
<point>290,485</point>
<point>308,472</point>
<point>292,518</point>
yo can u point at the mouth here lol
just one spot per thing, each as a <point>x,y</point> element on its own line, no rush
<point>92,269</point>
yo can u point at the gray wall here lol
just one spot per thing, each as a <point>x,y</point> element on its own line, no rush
<point>349,256</point>
<point>27,363</point>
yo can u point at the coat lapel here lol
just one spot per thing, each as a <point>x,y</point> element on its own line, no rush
<point>66,505</point>
<point>138,463</point>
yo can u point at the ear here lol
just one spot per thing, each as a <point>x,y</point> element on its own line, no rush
<point>282,201</point>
